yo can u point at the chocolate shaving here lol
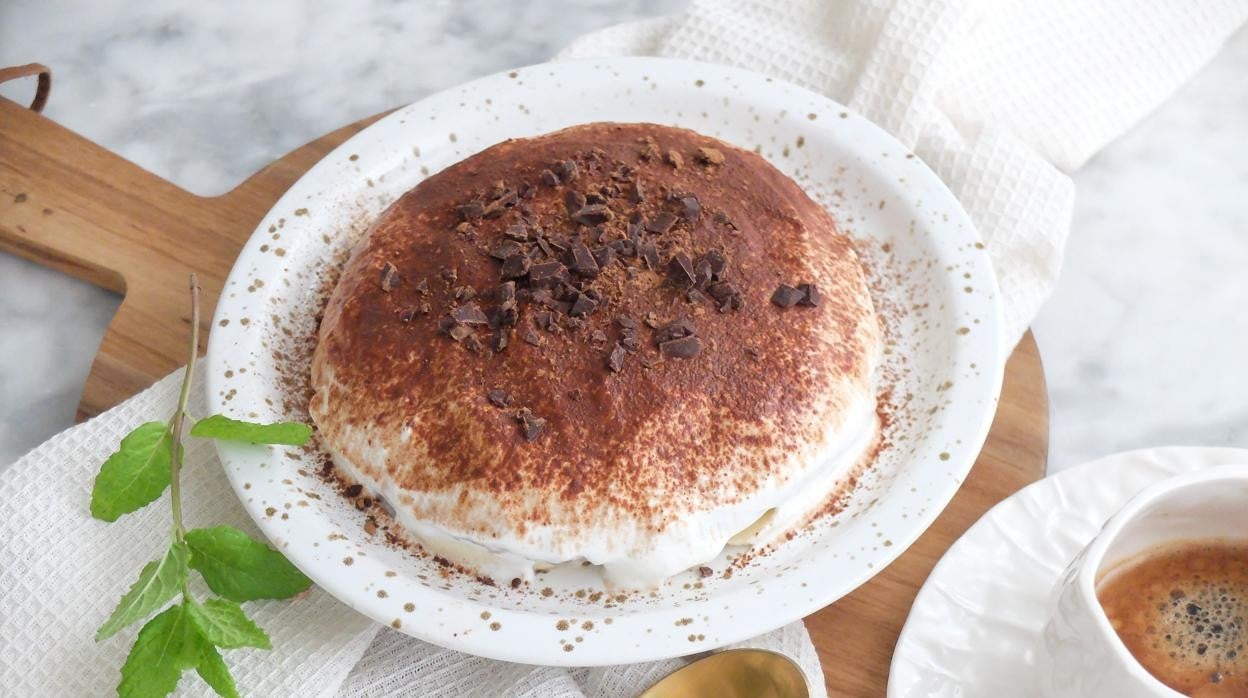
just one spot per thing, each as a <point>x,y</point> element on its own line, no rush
<point>389,277</point>
<point>630,340</point>
<point>689,207</point>
<point>508,314</point>
<point>583,261</point>
<point>544,246</point>
<point>615,360</point>
<point>681,270</point>
<point>626,322</point>
<point>624,248</point>
<point>515,267</point>
<point>661,223</point>
<point>459,332</point>
<point>549,178</point>
<point>470,210</point>
<point>499,397</point>
<point>448,274</point>
<point>500,340</point>
<point>517,232</point>
<point>593,214</point>
<point>508,248</point>
<point>786,296</point>
<point>722,290</point>
<point>353,491</point>
<point>702,273</point>
<point>682,348</point>
<point>506,291</point>
<point>636,194</point>
<point>650,254</point>
<point>716,261</point>
<point>695,296</point>
<point>674,330</point>
<point>567,170</point>
<point>469,314</point>
<point>547,274</point>
<point>532,337</point>
<point>573,201</point>
<point>472,344</point>
<point>583,306</point>
<point>530,424</point>
<point>810,295</point>
<point>603,256</point>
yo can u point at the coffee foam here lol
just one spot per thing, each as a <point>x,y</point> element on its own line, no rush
<point>1183,614</point>
<point>1201,625</point>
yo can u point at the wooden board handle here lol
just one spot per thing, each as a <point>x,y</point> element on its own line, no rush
<point>69,204</point>
<point>39,71</point>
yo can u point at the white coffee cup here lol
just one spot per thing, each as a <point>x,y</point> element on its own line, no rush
<point>1082,656</point>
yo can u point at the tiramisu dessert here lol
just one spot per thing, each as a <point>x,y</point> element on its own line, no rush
<point>623,344</point>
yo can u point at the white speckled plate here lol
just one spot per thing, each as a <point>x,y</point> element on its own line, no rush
<point>944,363</point>
<point>975,628</point>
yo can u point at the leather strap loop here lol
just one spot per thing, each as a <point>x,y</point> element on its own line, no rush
<point>43,72</point>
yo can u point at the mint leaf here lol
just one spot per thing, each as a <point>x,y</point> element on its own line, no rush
<point>224,624</point>
<point>135,475</point>
<point>242,569</point>
<point>165,647</point>
<point>283,433</point>
<point>159,581</point>
<point>212,670</point>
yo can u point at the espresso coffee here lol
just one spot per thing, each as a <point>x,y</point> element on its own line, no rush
<point>1182,611</point>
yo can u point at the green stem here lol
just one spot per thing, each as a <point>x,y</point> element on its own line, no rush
<point>177,451</point>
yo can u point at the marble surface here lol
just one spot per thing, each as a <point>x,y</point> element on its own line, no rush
<point>1142,341</point>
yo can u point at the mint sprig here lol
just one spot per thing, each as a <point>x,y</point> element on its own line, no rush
<point>220,427</point>
<point>188,634</point>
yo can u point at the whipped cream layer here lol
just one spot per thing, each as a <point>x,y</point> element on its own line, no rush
<point>632,554</point>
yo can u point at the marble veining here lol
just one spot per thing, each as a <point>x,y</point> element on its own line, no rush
<point>1142,341</point>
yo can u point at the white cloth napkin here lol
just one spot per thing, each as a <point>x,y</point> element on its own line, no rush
<point>1000,98</point>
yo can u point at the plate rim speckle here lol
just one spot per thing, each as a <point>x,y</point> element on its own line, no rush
<point>719,91</point>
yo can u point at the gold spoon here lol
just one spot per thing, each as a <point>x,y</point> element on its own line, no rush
<point>744,673</point>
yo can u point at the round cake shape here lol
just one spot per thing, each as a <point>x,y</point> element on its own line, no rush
<point>626,344</point>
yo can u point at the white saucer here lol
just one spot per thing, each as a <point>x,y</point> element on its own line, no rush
<point>975,627</point>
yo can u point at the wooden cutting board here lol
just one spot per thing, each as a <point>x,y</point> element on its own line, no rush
<point>69,204</point>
